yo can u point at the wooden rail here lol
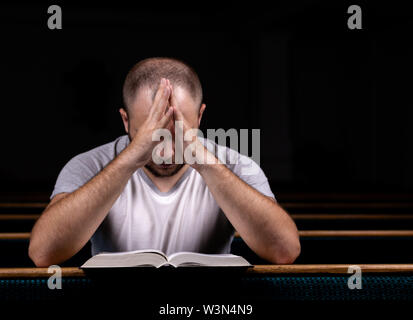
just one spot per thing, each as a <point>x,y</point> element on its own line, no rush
<point>330,268</point>
<point>346,205</point>
<point>350,216</point>
<point>295,216</point>
<point>18,216</point>
<point>15,236</point>
<point>282,196</point>
<point>38,272</point>
<point>23,205</point>
<point>343,196</point>
<point>302,233</point>
<point>257,269</point>
<point>356,233</point>
<point>286,205</point>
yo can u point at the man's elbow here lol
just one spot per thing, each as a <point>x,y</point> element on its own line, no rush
<point>288,255</point>
<point>38,258</point>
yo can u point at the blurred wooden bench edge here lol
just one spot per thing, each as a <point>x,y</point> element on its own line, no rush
<point>284,196</point>
<point>295,216</point>
<point>284,204</point>
<point>303,233</point>
<point>257,269</point>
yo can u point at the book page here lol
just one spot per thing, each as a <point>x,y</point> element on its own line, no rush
<point>201,259</point>
<point>137,251</point>
<point>136,258</point>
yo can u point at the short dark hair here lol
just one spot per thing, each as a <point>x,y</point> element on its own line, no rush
<point>149,72</point>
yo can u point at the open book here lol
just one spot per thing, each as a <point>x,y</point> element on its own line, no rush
<point>155,258</point>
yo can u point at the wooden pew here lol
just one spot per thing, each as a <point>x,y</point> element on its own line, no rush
<point>353,221</point>
<point>305,221</point>
<point>17,222</point>
<point>262,284</point>
<point>14,251</point>
<point>20,222</point>
<point>303,234</point>
<point>341,246</point>
<point>15,235</point>
<point>293,202</point>
<point>289,206</point>
<point>311,211</point>
<point>331,226</point>
<point>317,246</point>
<point>268,269</point>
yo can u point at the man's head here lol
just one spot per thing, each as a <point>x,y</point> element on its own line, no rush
<point>139,90</point>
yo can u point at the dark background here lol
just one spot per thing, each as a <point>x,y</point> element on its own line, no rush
<point>333,104</point>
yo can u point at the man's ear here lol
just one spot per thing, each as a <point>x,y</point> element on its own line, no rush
<point>125,119</point>
<point>201,111</point>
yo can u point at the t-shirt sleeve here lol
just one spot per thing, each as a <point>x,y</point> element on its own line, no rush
<point>78,171</point>
<point>251,173</point>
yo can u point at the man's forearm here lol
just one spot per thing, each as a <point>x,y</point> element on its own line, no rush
<point>66,225</point>
<point>262,223</point>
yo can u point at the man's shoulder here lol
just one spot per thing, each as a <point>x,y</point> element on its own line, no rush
<point>228,155</point>
<point>237,162</point>
<point>83,167</point>
<point>101,155</point>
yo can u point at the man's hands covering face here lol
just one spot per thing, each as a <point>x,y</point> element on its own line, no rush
<point>161,113</point>
<point>187,144</point>
<point>188,149</point>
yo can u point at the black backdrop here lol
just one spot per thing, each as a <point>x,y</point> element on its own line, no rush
<point>333,104</point>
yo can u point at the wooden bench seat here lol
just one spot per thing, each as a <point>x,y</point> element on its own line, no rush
<point>302,233</point>
<point>291,207</point>
<point>317,246</point>
<point>268,269</point>
<point>23,222</point>
<point>263,285</point>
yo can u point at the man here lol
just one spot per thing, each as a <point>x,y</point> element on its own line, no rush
<point>118,197</point>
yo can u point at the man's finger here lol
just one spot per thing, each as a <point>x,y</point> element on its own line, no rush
<point>161,99</point>
<point>158,95</point>
<point>172,99</point>
<point>166,117</point>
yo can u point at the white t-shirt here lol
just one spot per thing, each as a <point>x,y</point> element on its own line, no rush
<point>186,218</point>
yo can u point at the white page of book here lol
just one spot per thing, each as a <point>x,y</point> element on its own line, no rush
<point>126,259</point>
<point>193,258</point>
